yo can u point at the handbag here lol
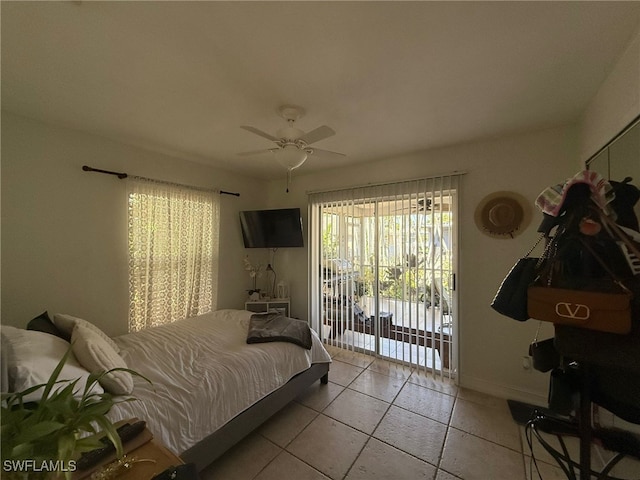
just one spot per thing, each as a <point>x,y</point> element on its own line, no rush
<point>594,310</point>
<point>511,298</point>
<point>606,312</point>
<point>563,389</point>
<point>544,354</point>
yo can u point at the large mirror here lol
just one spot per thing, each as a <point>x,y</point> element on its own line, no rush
<point>620,158</point>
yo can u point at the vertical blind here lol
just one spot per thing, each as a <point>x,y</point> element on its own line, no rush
<point>383,262</point>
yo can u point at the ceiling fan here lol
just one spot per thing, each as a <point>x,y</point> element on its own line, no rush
<point>422,205</point>
<point>292,144</point>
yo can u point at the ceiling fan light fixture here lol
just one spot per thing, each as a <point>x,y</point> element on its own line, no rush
<point>290,156</point>
<point>290,133</point>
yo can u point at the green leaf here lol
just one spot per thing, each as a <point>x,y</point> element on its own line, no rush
<point>66,446</point>
<point>55,374</point>
<point>22,450</point>
<point>86,444</point>
<point>122,369</point>
<point>13,398</point>
<point>38,430</point>
<point>112,434</point>
<point>97,409</point>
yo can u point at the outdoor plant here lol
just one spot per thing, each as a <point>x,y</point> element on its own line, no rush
<point>42,440</point>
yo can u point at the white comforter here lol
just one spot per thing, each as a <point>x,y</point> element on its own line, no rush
<point>203,374</point>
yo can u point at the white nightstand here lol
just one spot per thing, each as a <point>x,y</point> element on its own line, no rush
<point>282,305</point>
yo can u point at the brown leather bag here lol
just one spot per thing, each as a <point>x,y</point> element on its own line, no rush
<point>603,311</point>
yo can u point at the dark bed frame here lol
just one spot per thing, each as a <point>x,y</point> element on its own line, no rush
<point>213,446</point>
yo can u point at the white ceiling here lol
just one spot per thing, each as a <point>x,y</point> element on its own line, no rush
<point>389,77</point>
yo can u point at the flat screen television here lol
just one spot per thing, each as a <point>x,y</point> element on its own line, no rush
<point>276,228</point>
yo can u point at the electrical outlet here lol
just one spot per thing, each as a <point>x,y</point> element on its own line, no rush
<point>526,363</point>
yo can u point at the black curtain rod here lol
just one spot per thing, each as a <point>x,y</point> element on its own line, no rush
<point>122,175</point>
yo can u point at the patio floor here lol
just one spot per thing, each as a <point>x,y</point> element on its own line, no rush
<point>413,332</point>
<point>397,350</point>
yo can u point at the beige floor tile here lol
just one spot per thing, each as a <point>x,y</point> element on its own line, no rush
<point>628,468</point>
<point>412,433</point>
<point>425,401</point>
<point>357,410</point>
<point>244,461</point>
<point>286,466</point>
<point>377,385</point>
<point>379,461</point>
<point>442,475</point>
<point>333,350</point>
<point>540,453</point>
<point>390,369</point>
<point>328,446</point>
<point>483,398</point>
<point>285,425</point>
<point>343,373</point>
<point>426,379</point>
<point>354,358</point>
<point>547,471</point>
<point>473,458</point>
<point>493,424</point>
<point>318,396</point>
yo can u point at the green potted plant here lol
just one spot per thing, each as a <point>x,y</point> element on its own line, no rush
<point>42,440</point>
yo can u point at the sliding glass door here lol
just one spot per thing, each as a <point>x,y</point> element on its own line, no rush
<point>383,270</point>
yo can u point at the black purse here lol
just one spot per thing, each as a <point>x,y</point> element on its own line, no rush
<point>544,354</point>
<point>511,298</point>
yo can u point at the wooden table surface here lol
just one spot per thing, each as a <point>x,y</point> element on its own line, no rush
<point>146,456</point>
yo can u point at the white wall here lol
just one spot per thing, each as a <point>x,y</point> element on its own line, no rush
<point>491,346</point>
<point>64,236</point>
<point>616,103</point>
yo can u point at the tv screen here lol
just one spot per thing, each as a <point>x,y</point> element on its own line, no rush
<point>276,228</point>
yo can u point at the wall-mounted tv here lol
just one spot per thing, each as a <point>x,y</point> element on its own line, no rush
<point>277,228</point>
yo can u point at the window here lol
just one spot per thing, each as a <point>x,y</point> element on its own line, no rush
<point>173,238</point>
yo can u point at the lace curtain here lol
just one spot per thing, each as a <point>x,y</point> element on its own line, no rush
<point>173,250</point>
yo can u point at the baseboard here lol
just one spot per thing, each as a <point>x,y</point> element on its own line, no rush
<point>502,391</point>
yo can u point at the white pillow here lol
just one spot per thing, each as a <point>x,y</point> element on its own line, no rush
<point>97,356</point>
<point>65,323</point>
<point>32,358</point>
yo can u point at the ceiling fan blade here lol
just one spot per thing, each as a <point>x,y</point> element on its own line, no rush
<point>256,152</point>
<point>318,134</point>
<point>327,152</point>
<point>259,132</point>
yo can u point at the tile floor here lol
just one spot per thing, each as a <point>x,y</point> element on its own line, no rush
<point>383,421</point>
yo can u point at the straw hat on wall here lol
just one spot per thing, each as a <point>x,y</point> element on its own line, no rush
<point>503,214</point>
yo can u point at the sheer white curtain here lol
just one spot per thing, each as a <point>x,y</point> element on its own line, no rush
<point>173,252</point>
<point>383,262</point>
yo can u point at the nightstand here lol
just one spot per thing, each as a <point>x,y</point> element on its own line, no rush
<point>152,450</point>
<point>282,305</point>
<point>147,455</point>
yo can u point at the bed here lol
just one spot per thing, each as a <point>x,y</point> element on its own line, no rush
<point>209,388</point>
